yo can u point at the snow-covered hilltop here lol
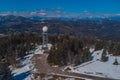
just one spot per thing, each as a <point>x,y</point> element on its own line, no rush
<point>95,67</point>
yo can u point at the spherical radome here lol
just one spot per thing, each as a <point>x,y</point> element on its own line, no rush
<point>45,29</point>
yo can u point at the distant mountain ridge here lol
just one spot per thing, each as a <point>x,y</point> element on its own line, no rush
<point>103,29</point>
<point>59,15</point>
<point>75,18</point>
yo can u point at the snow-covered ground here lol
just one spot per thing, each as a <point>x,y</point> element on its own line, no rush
<point>23,72</point>
<point>39,49</point>
<point>98,68</point>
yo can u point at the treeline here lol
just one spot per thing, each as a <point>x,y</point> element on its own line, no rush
<point>16,45</point>
<point>71,50</point>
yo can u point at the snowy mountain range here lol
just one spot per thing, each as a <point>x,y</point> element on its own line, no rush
<point>58,14</point>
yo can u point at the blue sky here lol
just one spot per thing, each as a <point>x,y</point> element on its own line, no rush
<point>70,6</point>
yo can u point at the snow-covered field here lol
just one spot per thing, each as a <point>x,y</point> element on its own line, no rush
<point>98,68</point>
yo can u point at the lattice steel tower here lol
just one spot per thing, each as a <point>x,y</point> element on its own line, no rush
<point>45,37</point>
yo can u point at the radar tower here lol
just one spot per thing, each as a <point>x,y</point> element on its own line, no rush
<point>45,37</point>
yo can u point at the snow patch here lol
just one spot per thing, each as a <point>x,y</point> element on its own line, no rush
<point>39,49</point>
<point>97,55</point>
<point>91,50</point>
<point>23,72</point>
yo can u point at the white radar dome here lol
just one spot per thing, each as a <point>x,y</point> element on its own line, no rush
<point>45,29</point>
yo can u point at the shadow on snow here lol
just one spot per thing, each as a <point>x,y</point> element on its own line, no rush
<point>21,76</point>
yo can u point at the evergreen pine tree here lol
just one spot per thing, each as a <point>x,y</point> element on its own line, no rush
<point>104,58</point>
<point>116,62</point>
